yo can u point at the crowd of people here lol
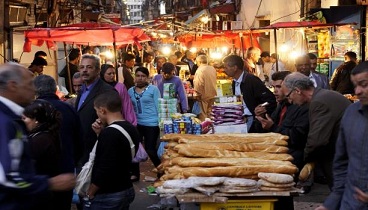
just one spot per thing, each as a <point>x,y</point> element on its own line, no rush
<point>44,140</point>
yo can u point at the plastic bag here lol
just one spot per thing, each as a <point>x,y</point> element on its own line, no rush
<point>196,109</point>
<point>161,149</point>
<point>141,155</point>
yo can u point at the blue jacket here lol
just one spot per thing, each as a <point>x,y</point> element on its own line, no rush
<point>21,188</point>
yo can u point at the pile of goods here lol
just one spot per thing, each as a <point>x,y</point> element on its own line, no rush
<point>225,155</point>
<point>227,114</point>
<point>185,124</point>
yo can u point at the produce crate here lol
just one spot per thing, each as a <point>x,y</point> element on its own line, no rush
<point>258,204</point>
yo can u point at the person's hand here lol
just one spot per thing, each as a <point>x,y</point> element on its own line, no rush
<point>62,182</point>
<point>97,126</point>
<point>267,122</point>
<point>321,208</point>
<point>360,195</point>
<point>260,110</point>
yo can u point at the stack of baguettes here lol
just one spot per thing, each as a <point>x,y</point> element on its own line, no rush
<point>228,155</point>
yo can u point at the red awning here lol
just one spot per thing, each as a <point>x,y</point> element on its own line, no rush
<point>88,33</point>
<point>303,24</point>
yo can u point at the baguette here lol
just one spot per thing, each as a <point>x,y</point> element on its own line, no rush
<point>234,139</point>
<point>240,147</point>
<point>276,188</point>
<point>176,137</point>
<point>194,152</point>
<point>232,171</point>
<point>212,162</point>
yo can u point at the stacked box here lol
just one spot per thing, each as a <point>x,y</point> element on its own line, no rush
<point>227,114</point>
<point>169,91</point>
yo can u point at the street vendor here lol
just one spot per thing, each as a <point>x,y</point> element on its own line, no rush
<point>251,87</point>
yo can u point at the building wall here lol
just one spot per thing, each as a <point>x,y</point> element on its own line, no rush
<point>135,11</point>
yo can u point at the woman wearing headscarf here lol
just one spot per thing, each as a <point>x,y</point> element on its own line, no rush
<point>108,75</point>
<point>43,123</point>
<point>145,101</point>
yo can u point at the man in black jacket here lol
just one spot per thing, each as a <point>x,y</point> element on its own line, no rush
<point>340,80</point>
<point>288,119</point>
<point>93,86</point>
<point>251,87</point>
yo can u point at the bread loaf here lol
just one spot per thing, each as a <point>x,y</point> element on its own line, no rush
<point>239,182</point>
<point>176,137</point>
<point>195,152</point>
<point>276,188</point>
<point>211,162</point>
<point>265,183</point>
<point>231,171</point>
<point>232,189</point>
<point>306,171</point>
<point>240,147</point>
<point>276,177</point>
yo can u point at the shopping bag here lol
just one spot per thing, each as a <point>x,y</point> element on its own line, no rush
<point>84,177</point>
<point>196,109</point>
<point>161,149</point>
<point>141,155</point>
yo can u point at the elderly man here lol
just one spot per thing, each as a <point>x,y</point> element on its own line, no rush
<point>93,86</point>
<point>20,187</point>
<point>350,164</point>
<point>205,85</point>
<point>326,108</point>
<point>250,64</point>
<point>251,87</point>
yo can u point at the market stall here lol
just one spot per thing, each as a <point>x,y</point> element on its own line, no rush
<point>249,171</point>
<point>88,33</point>
<point>316,35</point>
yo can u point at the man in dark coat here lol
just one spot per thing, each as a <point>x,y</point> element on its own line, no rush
<point>251,87</point>
<point>326,109</point>
<point>89,69</point>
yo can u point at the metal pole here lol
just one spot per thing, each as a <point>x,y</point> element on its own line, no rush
<point>277,55</point>
<point>69,82</point>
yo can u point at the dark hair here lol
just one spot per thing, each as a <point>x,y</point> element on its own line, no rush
<point>360,68</point>
<point>142,69</point>
<point>44,84</point>
<point>109,100</point>
<point>39,61</point>
<point>179,54</point>
<point>146,54</point>
<point>104,68</point>
<point>265,54</point>
<point>280,75</point>
<point>312,56</point>
<point>234,60</point>
<point>168,67</point>
<point>44,112</point>
<point>74,53</point>
<point>128,57</point>
<point>351,55</point>
<point>40,53</point>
